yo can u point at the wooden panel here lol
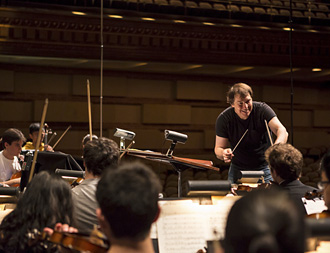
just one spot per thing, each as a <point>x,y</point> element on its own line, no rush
<point>308,139</point>
<point>276,94</point>
<point>209,139</point>
<point>117,113</point>
<point>62,111</point>
<point>42,83</point>
<point>166,114</point>
<point>15,111</point>
<point>201,91</point>
<point>322,118</point>
<point>7,81</point>
<point>205,115</point>
<point>112,86</point>
<point>300,118</point>
<point>143,88</point>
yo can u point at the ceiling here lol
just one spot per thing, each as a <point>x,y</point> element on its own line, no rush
<point>177,68</point>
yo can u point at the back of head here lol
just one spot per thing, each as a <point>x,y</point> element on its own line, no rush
<point>100,154</point>
<point>88,138</point>
<point>10,135</point>
<point>286,160</point>
<point>265,221</point>
<point>34,127</point>
<point>325,164</point>
<point>242,89</point>
<point>128,198</point>
<point>46,201</point>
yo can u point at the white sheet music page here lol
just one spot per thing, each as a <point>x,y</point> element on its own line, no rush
<point>314,205</point>
<point>185,227</point>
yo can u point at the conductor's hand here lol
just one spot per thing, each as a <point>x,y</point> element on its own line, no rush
<point>227,155</point>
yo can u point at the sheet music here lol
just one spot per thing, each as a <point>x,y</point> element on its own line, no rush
<point>185,227</point>
<point>314,205</point>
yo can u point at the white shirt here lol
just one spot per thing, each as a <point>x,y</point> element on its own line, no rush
<point>8,167</point>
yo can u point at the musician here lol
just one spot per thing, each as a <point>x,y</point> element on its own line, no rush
<point>245,114</point>
<point>265,221</point>
<point>128,200</point>
<point>325,179</point>
<point>285,162</point>
<point>87,138</point>
<point>98,155</point>
<point>11,143</point>
<point>46,202</point>
<point>33,134</point>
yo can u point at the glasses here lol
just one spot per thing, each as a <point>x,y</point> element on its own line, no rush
<point>321,185</point>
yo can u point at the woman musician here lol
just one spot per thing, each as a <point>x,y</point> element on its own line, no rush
<point>11,145</point>
<point>242,125</point>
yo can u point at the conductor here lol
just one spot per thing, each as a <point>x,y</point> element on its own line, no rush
<point>241,133</point>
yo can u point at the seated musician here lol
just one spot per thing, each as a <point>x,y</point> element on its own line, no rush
<point>265,221</point>
<point>33,134</point>
<point>285,162</point>
<point>98,155</point>
<point>87,138</point>
<point>325,179</point>
<point>46,202</point>
<point>11,143</point>
<point>128,200</point>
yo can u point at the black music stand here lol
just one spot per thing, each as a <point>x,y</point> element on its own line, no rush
<point>48,161</point>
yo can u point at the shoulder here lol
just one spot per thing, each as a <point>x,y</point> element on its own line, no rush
<point>227,113</point>
<point>28,145</point>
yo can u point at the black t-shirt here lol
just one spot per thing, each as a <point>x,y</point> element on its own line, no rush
<point>250,153</point>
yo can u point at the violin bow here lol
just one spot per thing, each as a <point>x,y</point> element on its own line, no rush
<point>240,140</point>
<point>89,110</point>
<point>125,151</point>
<point>51,138</point>
<point>59,139</point>
<point>270,138</point>
<point>38,139</point>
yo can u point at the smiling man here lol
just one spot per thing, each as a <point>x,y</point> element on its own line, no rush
<point>243,123</point>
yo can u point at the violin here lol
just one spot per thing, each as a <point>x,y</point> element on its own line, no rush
<point>71,241</point>
<point>241,189</point>
<point>313,195</point>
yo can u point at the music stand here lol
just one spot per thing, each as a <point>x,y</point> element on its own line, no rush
<point>180,164</point>
<point>48,161</point>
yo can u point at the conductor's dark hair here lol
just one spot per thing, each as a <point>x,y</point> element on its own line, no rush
<point>265,221</point>
<point>10,135</point>
<point>241,89</point>
<point>128,198</point>
<point>285,160</point>
<point>325,164</point>
<point>34,127</point>
<point>100,154</point>
<point>46,201</point>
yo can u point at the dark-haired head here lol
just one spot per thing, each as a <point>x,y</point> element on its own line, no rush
<point>128,198</point>
<point>46,201</point>
<point>34,127</point>
<point>242,89</point>
<point>285,160</point>
<point>265,221</point>
<point>10,135</point>
<point>87,138</point>
<point>100,154</point>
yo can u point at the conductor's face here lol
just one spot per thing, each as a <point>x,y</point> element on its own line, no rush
<point>242,106</point>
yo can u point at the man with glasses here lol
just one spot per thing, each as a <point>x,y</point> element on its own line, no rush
<point>241,133</point>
